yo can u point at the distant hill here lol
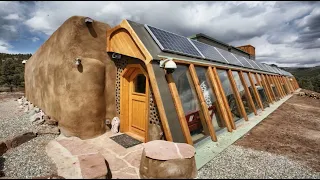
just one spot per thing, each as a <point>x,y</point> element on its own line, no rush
<point>308,78</point>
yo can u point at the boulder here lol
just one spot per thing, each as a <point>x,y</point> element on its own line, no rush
<point>34,117</point>
<point>165,159</point>
<point>31,106</point>
<point>3,148</point>
<point>115,123</point>
<point>20,101</point>
<point>31,112</point>
<point>36,109</point>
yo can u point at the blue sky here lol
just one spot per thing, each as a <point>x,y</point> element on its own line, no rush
<point>284,33</point>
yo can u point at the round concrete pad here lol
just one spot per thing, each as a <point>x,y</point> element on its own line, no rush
<point>166,150</point>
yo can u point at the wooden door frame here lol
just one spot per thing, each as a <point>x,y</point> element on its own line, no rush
<point>124,98</point>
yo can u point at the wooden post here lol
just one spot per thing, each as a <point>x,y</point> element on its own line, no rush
<point>267,88</point>
<point>247,92</point>
<point>281,87</point>
<point>257,79</point>
<point>219,99</point>
<point>224,98</point>
<point>158,100</point>
<point>179,108</point>
<point>270,87</point>
<point>276,86</point>
<point>255,92</point>
<point>203,105</point>
<point>236,93</point>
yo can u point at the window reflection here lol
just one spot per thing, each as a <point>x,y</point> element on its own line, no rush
<point>261,91</point>
<point>209,97</point>
<point>242,93</point>
<point>223,76</point>
<point>189,101</point>
<point>246,78</point>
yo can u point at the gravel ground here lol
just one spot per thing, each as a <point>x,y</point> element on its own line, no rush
<point>13,120</point>
<point>29,159</point>
<point>241,163</point>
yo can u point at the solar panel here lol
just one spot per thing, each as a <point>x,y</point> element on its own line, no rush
<point>255,64</point>
<point>173,43</point>
<point>272,70</point>
<point>230,57</point>
<point>243,61</point>
<point>264,68</point>
<point>209,52</point>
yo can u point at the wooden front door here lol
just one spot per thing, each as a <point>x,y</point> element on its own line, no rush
<point>134,103</point>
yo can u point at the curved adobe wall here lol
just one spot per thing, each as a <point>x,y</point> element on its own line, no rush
<point>74,96</point>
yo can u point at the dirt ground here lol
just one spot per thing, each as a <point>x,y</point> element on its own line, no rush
<point>8,95</point>
<point>293,130</point>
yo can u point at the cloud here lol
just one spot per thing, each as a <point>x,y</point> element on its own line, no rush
<point>12,17</point>
<point>34,39</point>
<point>5,47</point>
<point>283,32</point>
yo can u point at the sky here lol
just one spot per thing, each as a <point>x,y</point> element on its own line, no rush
<point>283,33</point>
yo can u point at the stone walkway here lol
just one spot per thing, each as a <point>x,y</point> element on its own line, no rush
<point>76,158</point>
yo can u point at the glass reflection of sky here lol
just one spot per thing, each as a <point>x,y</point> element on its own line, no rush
<point>188,98</point>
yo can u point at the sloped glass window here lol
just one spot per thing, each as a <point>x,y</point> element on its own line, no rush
<point>246,78</point>
<point>227,89</point>
<point>209,97</point>
<point>189,101</point>
<point>242,93</point>
<point>261,91</point>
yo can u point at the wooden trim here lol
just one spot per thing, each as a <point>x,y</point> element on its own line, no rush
<point>212,65</point>
<point>236,93</point>
<point>255,91</point>
<point>159,103</point>
<point>125,25</point>
<point>224,98</point>
<point>203,104</point>
<point>247,92</point>
<point>218,96</point>
<point>179,109</point>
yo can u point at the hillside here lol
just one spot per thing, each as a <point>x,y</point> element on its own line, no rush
<point>308,78</point>
<point>12,71</point>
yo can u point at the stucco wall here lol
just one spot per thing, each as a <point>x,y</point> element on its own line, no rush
<point>74,96</point>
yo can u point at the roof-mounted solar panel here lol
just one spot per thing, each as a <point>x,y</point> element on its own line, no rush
<point>243,61</point>
<point>173,43</point>
<point>254,63</point>
<point>209,52</point>
<point>230,57</point>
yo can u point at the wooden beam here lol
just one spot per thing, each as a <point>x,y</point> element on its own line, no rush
<point>286,84</point>
<point>237,95</point>
<point>218,96</point>
<point>203,105</point>
<point>255,91</point>
<point>276,86</point>
<point>270,87</point>
<point>224,98</point>
<point>257,79</point>
<point>159,103</point>
<point>267,88</point>
<point>179,108</point>
<point>247,92</point>
<point>281,87</point>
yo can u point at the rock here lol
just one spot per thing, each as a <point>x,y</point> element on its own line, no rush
<point>164,159</point>
<point>26,103</point>
<point>31,106</point>
<point>34,117</point>
<point>93,166</point>
<point>3,148</point>
<point>302,93</point>
<point>26,109</point>
<point>20,101</point>
<point>16,141</point>
<point>20,106</point>
<point>155,132</point>
<point>36,109</point>
<point>51,122</point>
<point>31,112</point>
<point>115,125</point>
